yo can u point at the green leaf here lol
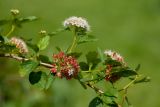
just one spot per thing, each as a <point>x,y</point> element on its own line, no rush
<point>1,39</point>
<point>27,66</point>
<point>86,79</point>
<point>126,73</point>
<point>27,19</point>
<point>50,80</point>
<point>58,49</point>
<point>34,47</point>
<point>84,66</point>
<point>109,94</point>
<point>112,62</point>
<point>34,77</point>
<point>43,43</point>
<point>101,54</point>
<point>138,67</point>
<point>56,32</point>
<point>75,54</point>
<point>95,102</point>
<point>44,58</point>
<point>45,81</point>
<point>113,104</point>
<point>92,58</point>
<point>87,38</point>
<point>143,79</point>
<point>79,79</point>
<point>8,48</point>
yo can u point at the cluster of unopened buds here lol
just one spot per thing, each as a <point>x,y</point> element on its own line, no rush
<point>20,44</point>
<point>64,66</point>
<point>116,57</point>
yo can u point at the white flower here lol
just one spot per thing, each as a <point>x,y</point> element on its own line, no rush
<point>20,44</point>
<point>76,21</point>
<point>70,72</point>
<point>114,55</point>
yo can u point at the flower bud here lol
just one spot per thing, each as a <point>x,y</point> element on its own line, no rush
<point>20,44</point>
<point>43,32</point>
<point>15,12</point>
<point>114,56</point>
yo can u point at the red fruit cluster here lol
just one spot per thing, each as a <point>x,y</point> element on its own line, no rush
<point>64,66</point>
<point>109,76</point>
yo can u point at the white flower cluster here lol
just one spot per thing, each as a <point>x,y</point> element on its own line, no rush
<point>114,55</point>
<point>20,44</point>
<point>76,21</point>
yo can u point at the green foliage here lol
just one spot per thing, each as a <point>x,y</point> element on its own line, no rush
<point>45,81</point>
<point>44,58</point>
<point>84,66</point>
<point>19,21</point>
<point>125,72</point>
<point>142,79</point>
<point>27,66</point>
<point>92,59</point>
<point>34,77</point>
<point>8,48</point>
<point>43,43</point>
<point>96,102</point>
<point>86,38</point>
<point>75,54</point>
<point>27,19</point>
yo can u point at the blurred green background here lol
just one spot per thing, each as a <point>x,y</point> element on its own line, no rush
<point>130,27</point>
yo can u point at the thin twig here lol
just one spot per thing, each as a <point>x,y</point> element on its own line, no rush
<point>24,59</point>
<point>95,88</point>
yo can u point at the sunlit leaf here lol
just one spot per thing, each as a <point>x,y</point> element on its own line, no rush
<point>43,43</point>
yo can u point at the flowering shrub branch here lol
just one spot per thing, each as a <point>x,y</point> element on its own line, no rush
<point>108,66</point>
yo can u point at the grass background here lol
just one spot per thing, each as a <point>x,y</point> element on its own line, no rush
<point>131,27</point>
